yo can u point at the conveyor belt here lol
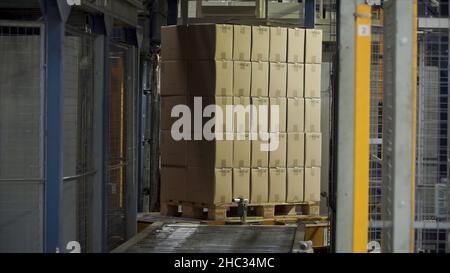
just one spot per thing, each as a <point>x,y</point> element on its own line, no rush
<point>196,238</point>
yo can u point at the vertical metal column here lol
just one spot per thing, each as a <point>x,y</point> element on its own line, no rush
<point>344,112</point>
<point>55,24</point>
<point>172,12</point>
<point>353,104</point>
<point>310,14</point>
<point>399,126</point>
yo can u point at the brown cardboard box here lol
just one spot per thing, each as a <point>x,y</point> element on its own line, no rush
<point>313,46</point>
<point>278,79</point>
<point>174,78</point>
<point>260,43</point>
<point>211,154</point>
<point>242,123</point>
<point>313,80</point>
<point>210,78</point>
<point>242,147</point>
<point>260,159</point>
<point>313,150</point>
<point>174,183</point>
<point>241,183</point>
<point>260,79</point>
<point>278,44</point>
<point>173,153</point>
<point>259,186</point>
<point>278,125</point>
<point>242,79</point>
<point>312,184</point>
<point>296,115</point>
<point>277,158</point>
<point>242,43</point>
<point>210,186</point>
<point>296,150</point>
<point>296,45</point>
<point>262,108</point>
<point>210,42</point>
<point>223,103</point>
<point>295,81</point>
<point>174,45</point>
<point>295,185</point>
<point>312,115</point>
<point>167,104</point>
<point>277,185</point>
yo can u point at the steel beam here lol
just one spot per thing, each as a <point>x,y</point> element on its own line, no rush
<point>310,13</point>
<point>399,117</point>
<point>55,25</point>
<point>352,144</point>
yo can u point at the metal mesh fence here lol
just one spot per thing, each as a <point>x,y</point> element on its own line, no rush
<point>376,117</point>
<point>21,137</point>
<point>78,138</point>
<point>117,167</point>
<point>432,187</point>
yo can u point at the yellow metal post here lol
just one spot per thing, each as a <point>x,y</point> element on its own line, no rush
<point>414,119</point>
<point>362,128</point>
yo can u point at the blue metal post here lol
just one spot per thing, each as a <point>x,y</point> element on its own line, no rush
<point>310,13</point>
<point>54,155</point>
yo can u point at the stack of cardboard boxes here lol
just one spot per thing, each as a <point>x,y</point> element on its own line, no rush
<point>226,65</point>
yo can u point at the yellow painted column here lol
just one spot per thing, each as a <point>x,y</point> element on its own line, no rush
<point>414,119</point>
<point>363,54</point>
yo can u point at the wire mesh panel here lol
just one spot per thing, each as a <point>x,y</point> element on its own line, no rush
<point>376,128</point>
<point>78,138</point>
<point>432,186</point>
<point>117,168</point>
<point>21,137</point>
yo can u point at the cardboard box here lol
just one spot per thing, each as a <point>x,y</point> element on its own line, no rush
<point>211,154</point>
<point>312,184</point>
<point>295,185</point>
<point>174,45</point>
<point>260,79</point>
<point>173,153</point>
<point>295,80</point>
<point>174,183</point>
<point>312,115</point>
<point>278,80</point>
<point>313,150</point>
<point>242,115</point>
<point>259,193</point>
<point>296,115</point>
<point>223,103</point>
<point>260,159</point>
<point>296,45</point>
<point>167,104</point>
<point>278,44</point>
<point>242,43</point>
<point>313,48</point>
<point>210,42</point>
<point>277,185</point>
<point>313,80</point>
<point>210,78</point>
<point>242,79</point>
<point>242,147</point>
<point>277,158</point>
<point>211,186</point>
<point>278,125</point>
<point>174,78</point>
<point>260,43</point>
<point>241,183</point>
<point>295,150</point>
<point>262,108</point>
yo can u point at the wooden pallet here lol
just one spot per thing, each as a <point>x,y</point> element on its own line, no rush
<point>230,211</point>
